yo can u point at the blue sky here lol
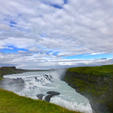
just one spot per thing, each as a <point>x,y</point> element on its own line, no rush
<point>12,49</point>
<point>46,33</point>
<point>88,56</point>
<point>12,23</point>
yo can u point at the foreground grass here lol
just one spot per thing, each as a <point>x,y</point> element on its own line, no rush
<point>94,82</point>
<point>12,103</point>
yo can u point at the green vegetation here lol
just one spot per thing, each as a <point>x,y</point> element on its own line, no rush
<point>88,78</point>
<point>12,103</point>
<point>106,70</point>
<point>94,82</point>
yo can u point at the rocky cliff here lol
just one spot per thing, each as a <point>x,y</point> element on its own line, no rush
<point>96,83</point>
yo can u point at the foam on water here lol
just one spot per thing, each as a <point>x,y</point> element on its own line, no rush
<point>32,83</point>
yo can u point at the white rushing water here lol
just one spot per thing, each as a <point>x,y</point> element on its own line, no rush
<point>31,84</point>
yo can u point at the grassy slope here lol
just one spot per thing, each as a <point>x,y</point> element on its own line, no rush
<point>104,70</point>
<point>96,82</point>
<point>12,103</point>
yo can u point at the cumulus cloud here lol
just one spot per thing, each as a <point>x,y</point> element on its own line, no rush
<point>52,29</point>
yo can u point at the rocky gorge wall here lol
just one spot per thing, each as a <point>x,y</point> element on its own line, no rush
<point>96,83</point>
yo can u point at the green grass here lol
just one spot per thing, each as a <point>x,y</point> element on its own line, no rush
<point>0,78</point>
<point>106,70</point>
<point>96,82</point>
<point>12,103</point>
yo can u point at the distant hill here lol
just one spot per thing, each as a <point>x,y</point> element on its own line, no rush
<point>10,70</point>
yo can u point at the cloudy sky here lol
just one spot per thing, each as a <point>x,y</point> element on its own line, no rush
<point>56,33</point>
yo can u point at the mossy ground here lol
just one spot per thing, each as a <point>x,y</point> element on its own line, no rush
<point>96,82</point>
<point>91,77</point>
<point>12,103</point>
<point>106,70</point>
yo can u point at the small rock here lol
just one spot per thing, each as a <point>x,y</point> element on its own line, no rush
<point>53,93</point>
<point>40,96</point>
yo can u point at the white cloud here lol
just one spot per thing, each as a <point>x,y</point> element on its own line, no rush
<point>41,61</point>
<point>79,27</point>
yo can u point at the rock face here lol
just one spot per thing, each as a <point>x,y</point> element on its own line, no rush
<point>96,83</point>
<point>49,96</point>
<point>40,96</point>
<point>53,93</point>
<point>48,77</point>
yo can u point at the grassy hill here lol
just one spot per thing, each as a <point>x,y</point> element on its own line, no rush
<point>96,83</point>
<point>12,103</point>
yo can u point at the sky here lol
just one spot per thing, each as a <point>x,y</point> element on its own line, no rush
<point>39,34</point>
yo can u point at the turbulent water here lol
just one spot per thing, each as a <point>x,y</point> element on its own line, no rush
<point>31,84</point>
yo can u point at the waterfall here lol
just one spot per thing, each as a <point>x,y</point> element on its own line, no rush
<point>47,85</point>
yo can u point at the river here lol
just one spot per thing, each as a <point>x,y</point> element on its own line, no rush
<point>36,84</point>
